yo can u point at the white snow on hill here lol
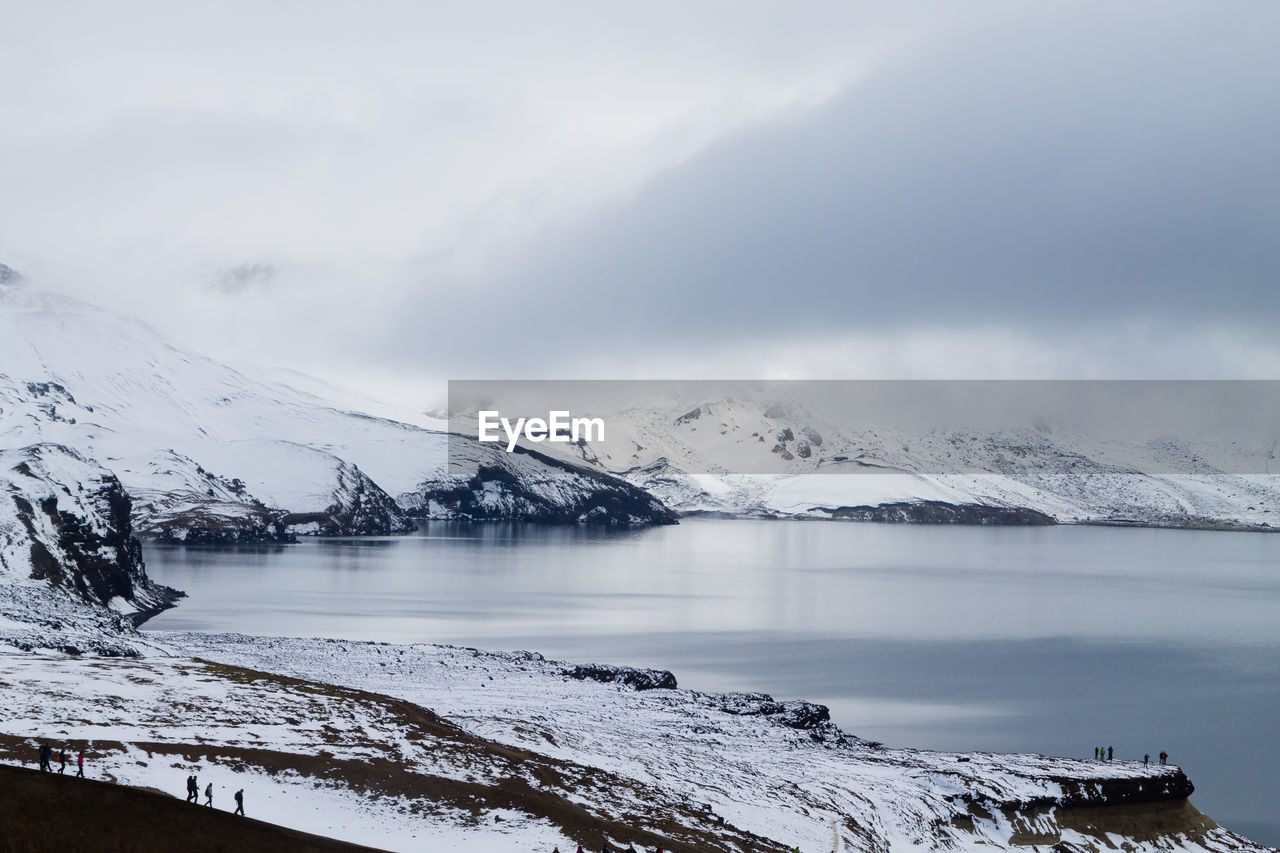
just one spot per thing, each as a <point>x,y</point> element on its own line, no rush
<point>212,452</point>
<point>807,463</point>
<point>562,760</point>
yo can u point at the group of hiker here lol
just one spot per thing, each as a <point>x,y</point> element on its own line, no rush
<point>605,849</point>
<point>47,758</point>
<point>1107,753</point>
<point>193,794</point>
<point>631,849</point>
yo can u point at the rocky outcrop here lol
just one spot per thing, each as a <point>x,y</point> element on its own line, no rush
<point>183,503</point>
<point>794,714</point>
<point>71,570</point>
<point>360,508</point>
<point>487,484</point>
<point>214,522</point>
<point>1148,812</point>
<point>636,679</point>
<point>938,512</point>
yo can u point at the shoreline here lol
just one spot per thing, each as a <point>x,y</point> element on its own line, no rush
<point>425,724</point>
<point>455,733</point>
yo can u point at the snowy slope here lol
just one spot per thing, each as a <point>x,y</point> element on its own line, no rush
<point>810,464</point>
<point>71,573</point>
<point>213,453</point>
<point>434,747</point>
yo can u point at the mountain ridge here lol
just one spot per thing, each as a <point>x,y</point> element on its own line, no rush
<point>805,463</point>
<point>212,454</point>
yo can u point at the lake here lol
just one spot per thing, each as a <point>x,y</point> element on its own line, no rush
<point>1038,639</point>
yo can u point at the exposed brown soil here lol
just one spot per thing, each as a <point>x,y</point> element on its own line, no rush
<point>43,808</point>
<point>538,785</point>
<point>48,813</point>
<point>1153,822</point>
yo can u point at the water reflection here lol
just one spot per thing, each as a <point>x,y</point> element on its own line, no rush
<point>1038,639</point>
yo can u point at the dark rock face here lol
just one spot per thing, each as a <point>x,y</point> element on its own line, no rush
<point>1111,792</point>
<point>360,508</point>
<point>937,512</point>
<point>793,714</point>
<point>84,544</point>
<point>637,679</point>
<point>529,486</point>
<point>211,524</point>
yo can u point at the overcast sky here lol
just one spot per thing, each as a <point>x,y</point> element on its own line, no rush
<point>388,194</point>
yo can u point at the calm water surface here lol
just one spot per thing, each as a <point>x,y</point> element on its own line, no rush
<point>1046,640</point>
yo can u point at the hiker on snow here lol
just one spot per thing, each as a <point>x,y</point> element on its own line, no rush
<point>62,761</point>
<point>1111,752</point>
<point>240,802</point>
<point>80,764</point>
<point>191,789</point>
<point>1164,757</point>
<point>208,795</point>
<point>44,756</point>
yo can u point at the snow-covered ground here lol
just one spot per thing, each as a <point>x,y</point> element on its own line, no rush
<point>525,755</point>
<point>152,723</point>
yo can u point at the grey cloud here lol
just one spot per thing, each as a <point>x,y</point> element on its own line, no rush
<point>1029,179</point>
<point>243,277</point>
<point>1060,165</point>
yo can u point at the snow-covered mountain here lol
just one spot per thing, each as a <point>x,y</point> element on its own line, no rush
<point>71,572</point>
<point>813,464</point>
<point>209,452</point>
<point>403,746</point>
